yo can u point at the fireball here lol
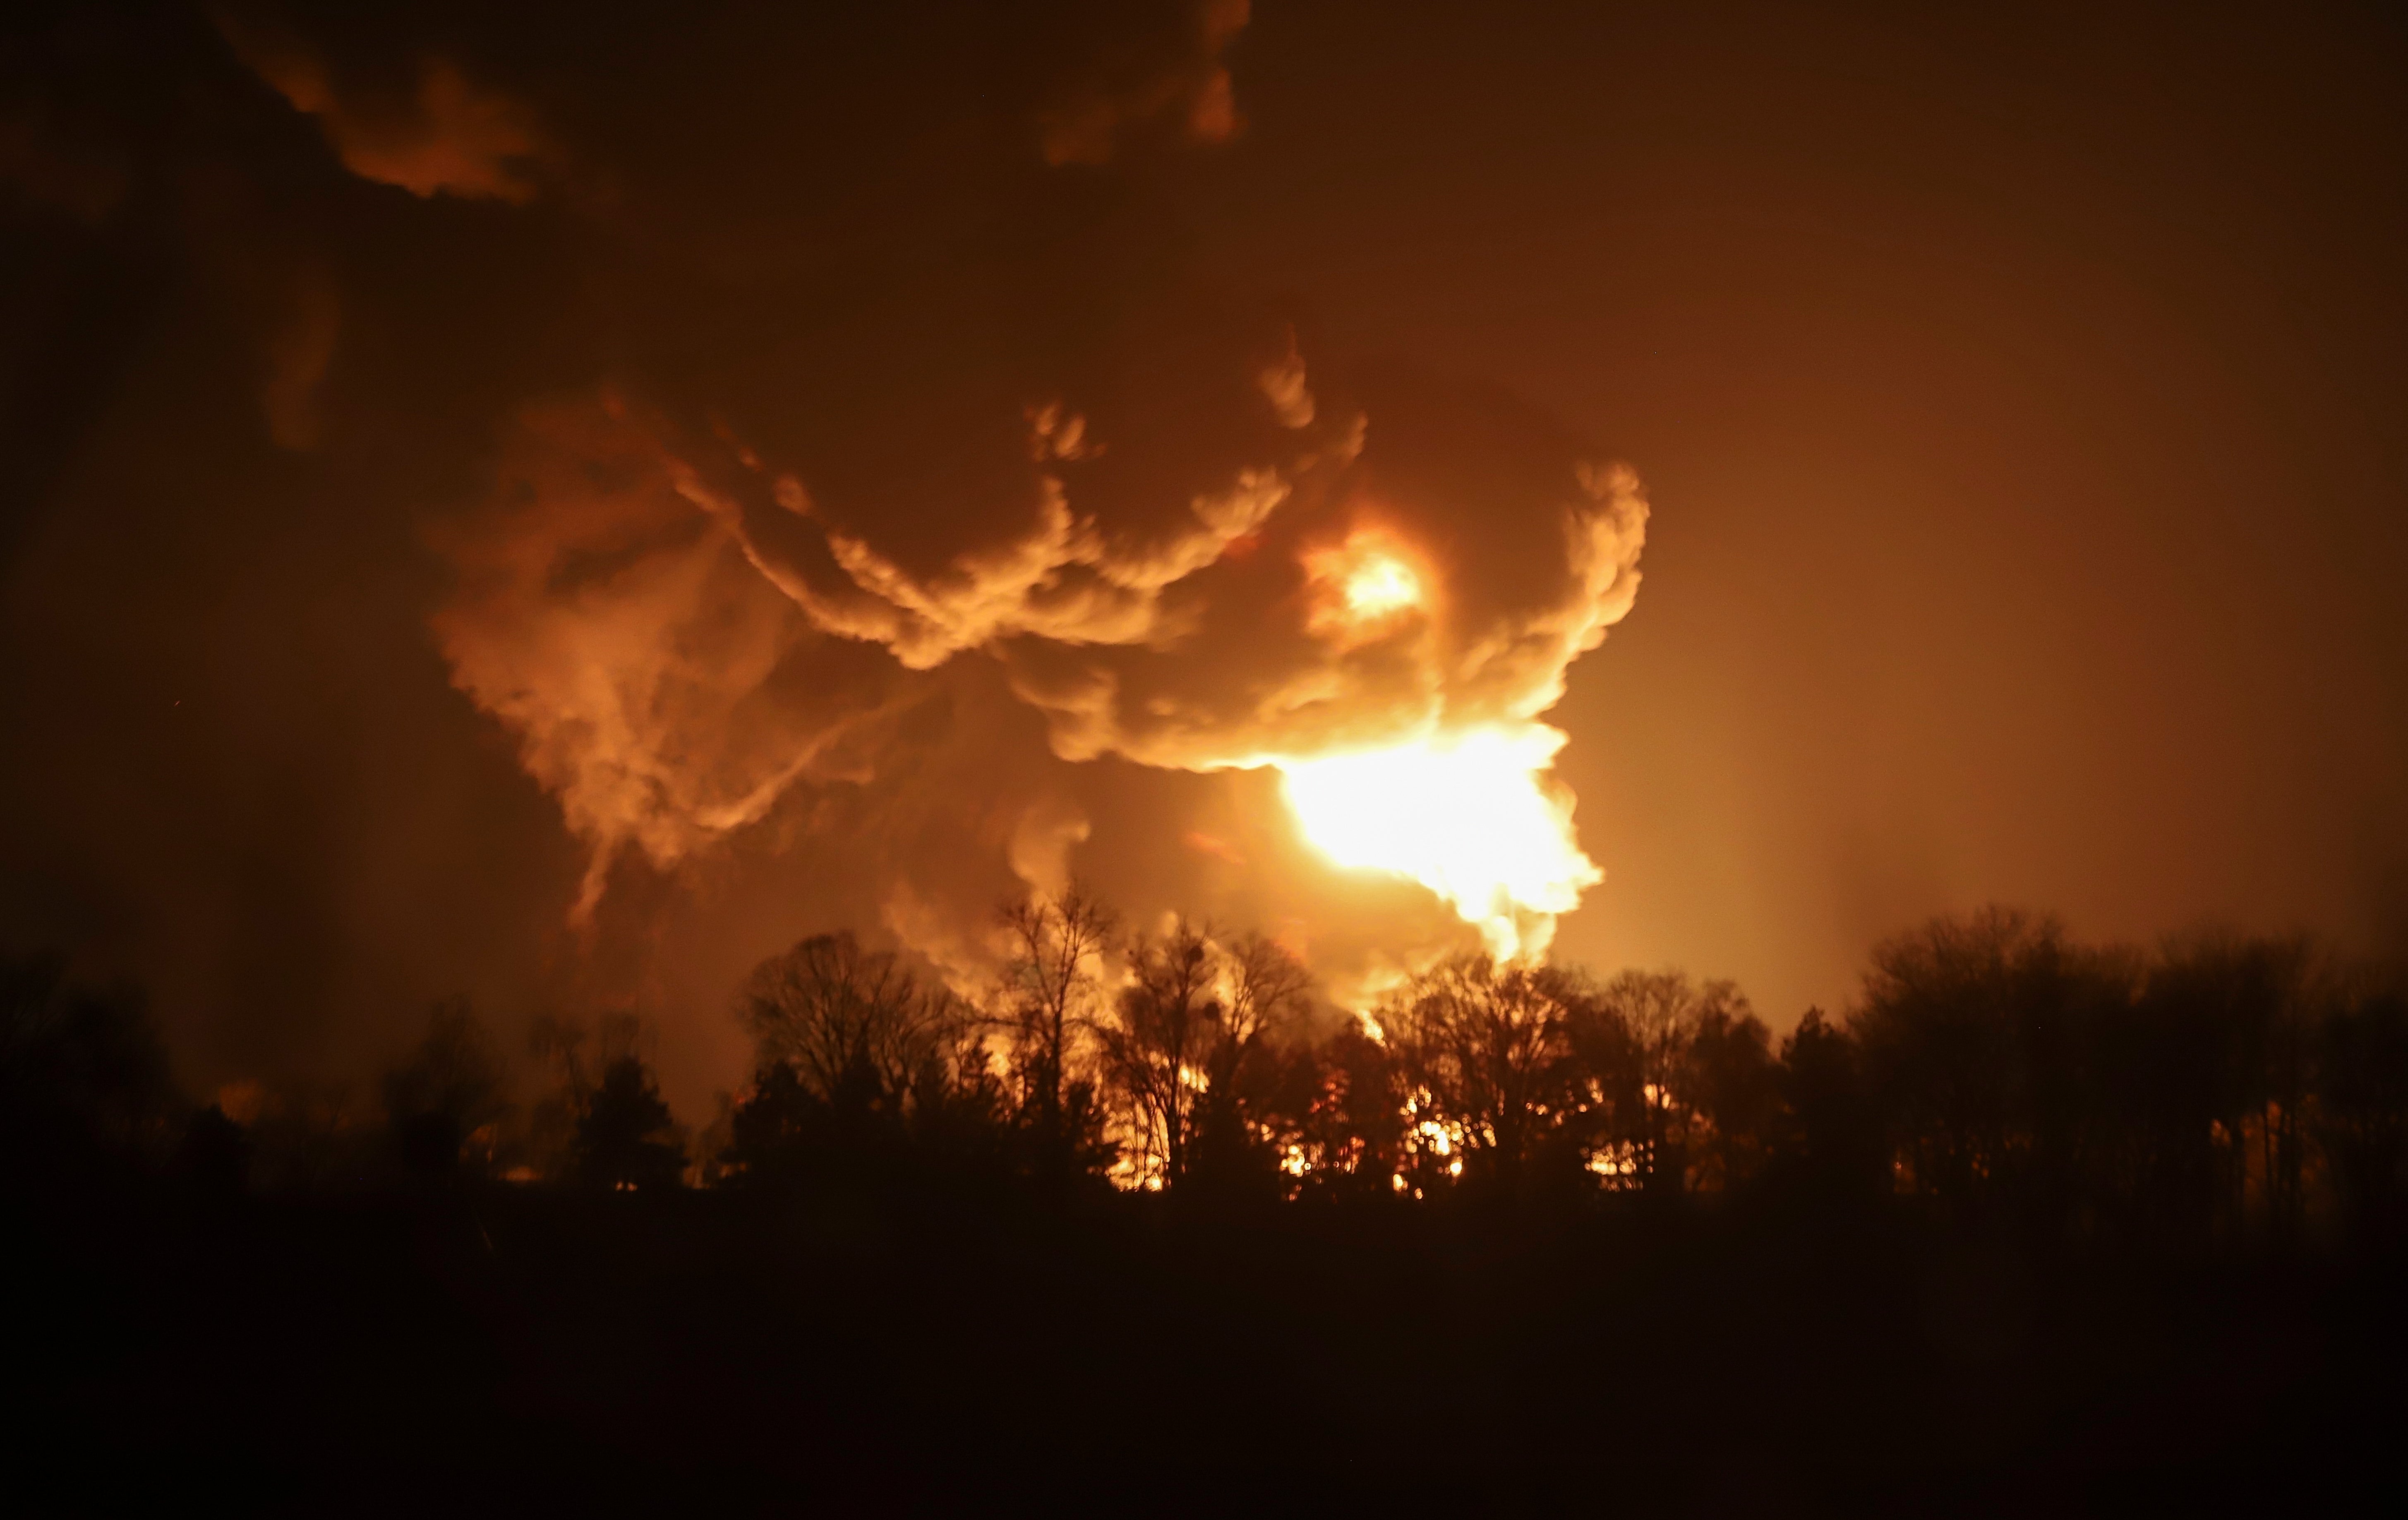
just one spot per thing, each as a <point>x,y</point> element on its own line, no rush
<point>1469,815</point>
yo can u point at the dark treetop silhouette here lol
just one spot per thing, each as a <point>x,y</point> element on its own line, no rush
<point>2033,1211</point>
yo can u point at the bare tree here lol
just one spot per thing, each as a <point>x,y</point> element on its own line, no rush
<point>1048,999</point>
<point>1481,1050</point>
<point>1245,1112</point>
<point>1156,1041</point>
<point>558,1043</point>
<point>846,1019</point>
<point>1183,1047</point>
<point>1659,1016</point>
<point>859,1065</point>
<point>1268,990</point>
<point>2238,1011</point>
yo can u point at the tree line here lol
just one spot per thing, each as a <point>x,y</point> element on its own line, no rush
<point>2221,1086</point>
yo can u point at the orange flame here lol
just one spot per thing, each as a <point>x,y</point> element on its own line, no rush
<point>1468,815</point>
<point>1361,586</point>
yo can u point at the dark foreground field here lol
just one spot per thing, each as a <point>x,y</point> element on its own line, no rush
<point>548,1352</point>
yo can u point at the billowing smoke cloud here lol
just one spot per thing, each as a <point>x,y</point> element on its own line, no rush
<point>948,393</point>
<point>851,496</point>
<point>432,133</point>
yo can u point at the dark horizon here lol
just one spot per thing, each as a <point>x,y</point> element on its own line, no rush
<point>2041,1224</point>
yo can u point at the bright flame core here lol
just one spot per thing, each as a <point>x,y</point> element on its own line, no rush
<point>1466,814</point>
<point>1361,589</point>
<point>1381,584</point>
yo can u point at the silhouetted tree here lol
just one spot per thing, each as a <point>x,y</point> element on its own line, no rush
<point>1991,1060</point>
<point>775,1129</point>
<point>1608,1085</point>
<point>1730,1083</point>
<point>83,1078</point>
<point>1641,1035</point>
<point>2168,1087</point>
<point>215,1153</point>
<point>1048,1000</point>
<point>1258,1080</point>
<point>1189,1046</point>
<point>713,1152</point>
<point>846,1018</point>
<point>626,1139</point>
<point>2362,1115</point>
<point>1940,1047</point>
<point>1154,1044</point>
<point>959,1109</point>
<point>1829,1131</point>
<point>2230,1046</point>
<point>317,1137</point>
<point>1995,1048</point>
<point>444,1102</point>
<point>1943,1055</point>
<point>1350,1116</point>
<point>1481,1053</point>
<point>567,1048</point>
<point>856,1059</point>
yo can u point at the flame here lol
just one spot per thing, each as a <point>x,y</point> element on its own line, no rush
<point>1381,583</point>
<point>1362,587</point>
<point>1468,816</point>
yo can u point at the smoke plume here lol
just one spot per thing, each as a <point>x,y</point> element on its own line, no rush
<point>850,496</point>
<point>946,392</point>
